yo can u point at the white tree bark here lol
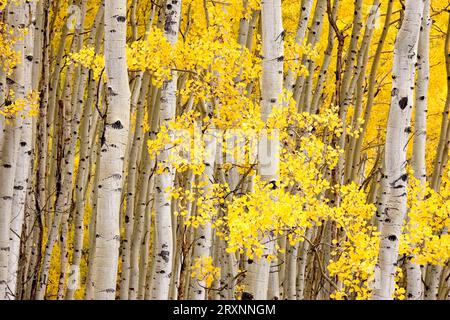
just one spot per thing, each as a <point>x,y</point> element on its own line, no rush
<point>84,155</point>
<point>398,128</point>
<point>164,181</point>
<point>414,275</point>
<point>131,195</point>
<point>203,234</point>
<point>24,159</point>
<point>7,168</point>
<point>271,89</point>
<point>433,273</point>
<point>16,153</point>
<point>305,11</point>
<point>114,141</point>
<point>314,34</point>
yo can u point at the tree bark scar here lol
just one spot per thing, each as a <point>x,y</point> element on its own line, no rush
<point>403,103</point>
<point>164,254</point>
<point>117,125</point>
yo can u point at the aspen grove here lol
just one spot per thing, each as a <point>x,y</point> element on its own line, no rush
<point>225,149</point>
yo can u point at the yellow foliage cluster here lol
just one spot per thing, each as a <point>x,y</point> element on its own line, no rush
<point>425,236</point>
<point>204,270</point>
<point>154,54</point>
<point>87,58</point>
<point>356,251</point>
<point>8,57</point>
<point>26,107</point>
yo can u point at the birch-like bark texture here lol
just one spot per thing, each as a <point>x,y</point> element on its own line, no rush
<point>164,180</point>
<point>313,38</point>
<point>113,146</point>
<point>433,273</point>
<point>131,186</point>
<point>321,78</point>
<point>444,137</point>
<point>16,154</point>
<point>299,37</point>
<point>6,197</point>
<point>257,277</point>
<point>414,275</point>
<point>356,161</point>
<point>203,234</point>
<point>395,177</point>
<point>24,156</point>
<point>85,150</point>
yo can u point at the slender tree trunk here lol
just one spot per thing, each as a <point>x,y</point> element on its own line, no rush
<point>395,176</point>
<point>16,153</point>
<point>356,162</point>
<point>113,146</point>
<point>271,89</point>
<point>413,271</point>
<point>433,273</point>
<point>84,155</point>
<point>164,180</point>
<point>6,198</point>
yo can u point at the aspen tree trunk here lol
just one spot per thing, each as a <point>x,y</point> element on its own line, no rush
<point>52,110</point>
<point>316,31</point>
<point>344,96</point>
<point>228,270</point>
<point>203,234</point>
<point>144,262</point>
<point>72,95</point>
<point>3,88</point>
<point>70,114</point>
<point>326,289</point>
<point>7,168</point>
<point>305,11</point>
<point>351,54</point>
<point>25,152</point>
<point>433,273</point>
<point>95,160</point>
<point>244,25</point>
<point>130,261</point>
<point>271,89</point>
<point>113,146</point>
<point>395,176</point>
<point>89,284</point>
<point>290,279</point>
<point>273,292</point>
<point>302,262</point>
<point>131,187</point>
<point>182,247</point>
<point>146,186</point>
<point>42,29</point>
<point>17,144</point>
<point>164,181</point>
<point>29,257</point>
<point>138,98</point>
<point>350,174</point>
<point>444,139</point>
<point>432,281</point>
<point>310,269</point>
<point>313,38</point>
<point>84,156</point>
<point>359,70</point>
<point>321,78</point>
<point>414,275</point>
<point>371,90</point>
<point>139,217</point>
